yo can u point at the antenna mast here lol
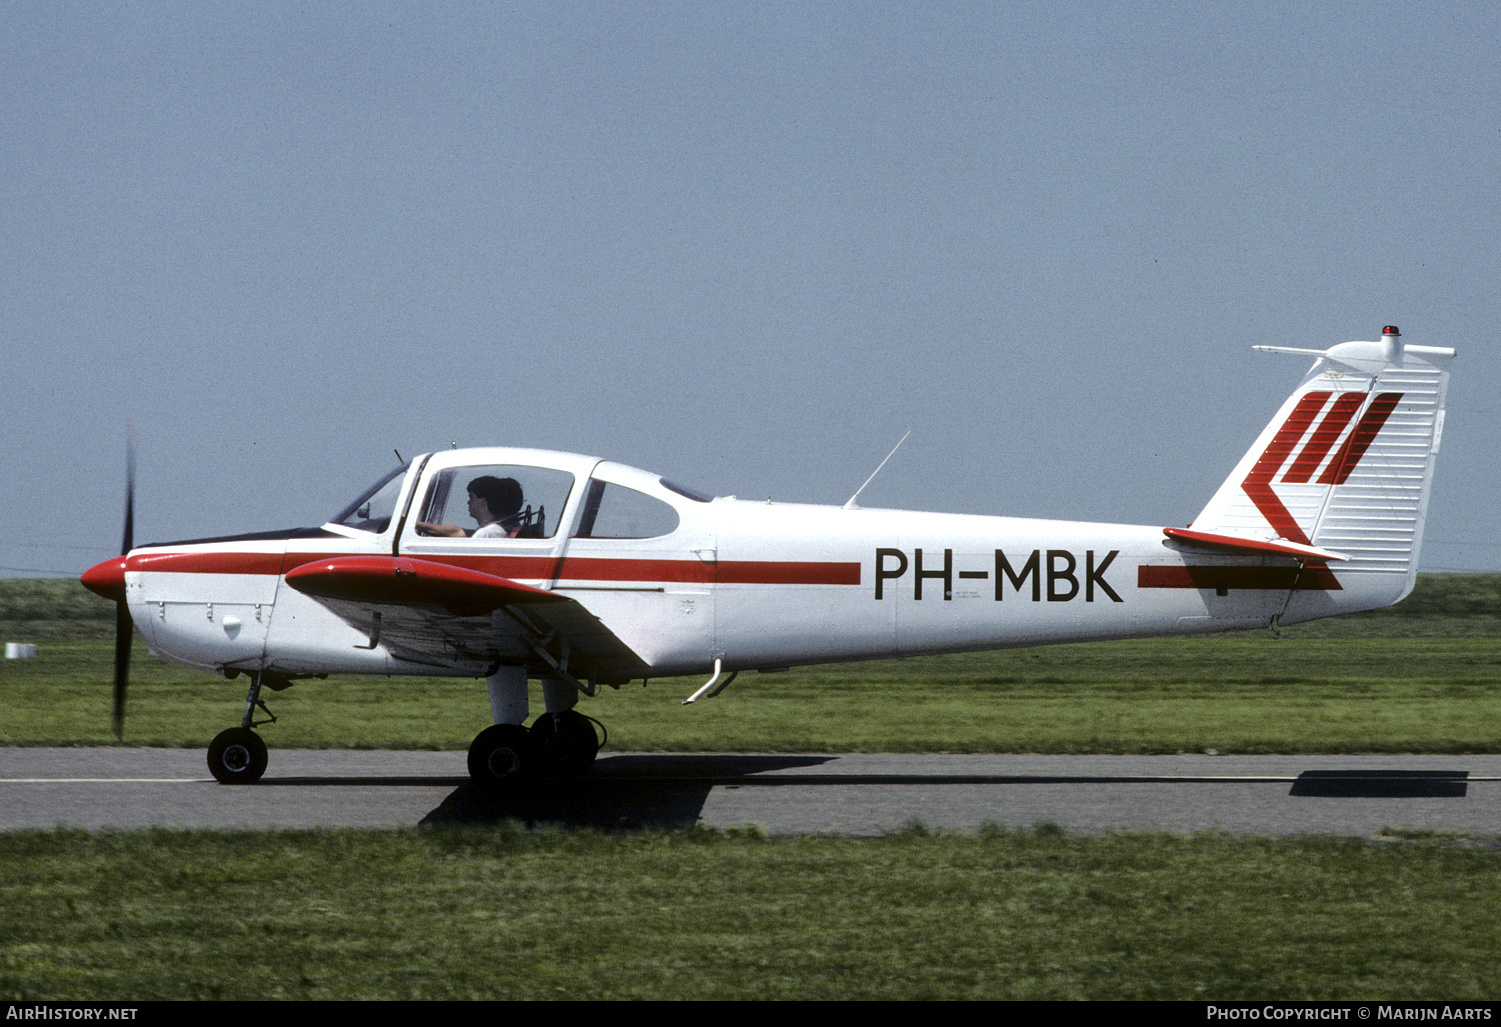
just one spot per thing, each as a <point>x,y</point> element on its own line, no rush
<point>852,505</point>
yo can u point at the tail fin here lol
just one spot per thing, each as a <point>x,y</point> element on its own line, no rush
<point>1345,467</point>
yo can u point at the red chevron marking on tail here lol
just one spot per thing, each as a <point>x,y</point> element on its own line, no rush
<point>1258,484</point>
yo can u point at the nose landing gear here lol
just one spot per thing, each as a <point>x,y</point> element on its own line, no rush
<point>238,756</point>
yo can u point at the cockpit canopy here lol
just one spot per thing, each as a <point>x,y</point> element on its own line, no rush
<point>604,509</point>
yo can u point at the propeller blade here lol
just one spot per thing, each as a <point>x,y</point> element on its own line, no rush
<point>124,627</point>
<point>124,632</point>
<point>128,541</point>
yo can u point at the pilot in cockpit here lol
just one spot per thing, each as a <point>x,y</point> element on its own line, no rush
<point>495,503</point>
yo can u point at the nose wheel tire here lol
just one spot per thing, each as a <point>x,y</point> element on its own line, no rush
<point>501,757</point>
<point>237,757</point>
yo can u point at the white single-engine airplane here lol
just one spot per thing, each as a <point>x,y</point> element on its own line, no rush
<point>583,572</point>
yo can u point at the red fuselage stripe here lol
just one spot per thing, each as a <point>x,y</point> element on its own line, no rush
<point>220,562</point>
<point>1313,578</point>
<point>731,572</point>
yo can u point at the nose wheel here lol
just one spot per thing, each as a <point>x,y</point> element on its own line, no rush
<point>237,756</point>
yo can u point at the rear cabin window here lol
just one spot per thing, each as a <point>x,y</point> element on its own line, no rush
<point>614,511</point>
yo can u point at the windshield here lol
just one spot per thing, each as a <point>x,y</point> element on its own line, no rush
<point>376,505</point>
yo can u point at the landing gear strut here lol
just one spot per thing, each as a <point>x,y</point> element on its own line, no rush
<point>238,756</point>
<point>561,743</point>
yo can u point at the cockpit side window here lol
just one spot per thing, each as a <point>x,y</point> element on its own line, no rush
<point>517,502</point>
<point>373,510</point>
<point>614,511</point>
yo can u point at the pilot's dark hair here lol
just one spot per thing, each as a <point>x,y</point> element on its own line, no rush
<point>501,495</point>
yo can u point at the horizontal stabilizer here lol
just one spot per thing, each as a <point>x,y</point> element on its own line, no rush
<point>401,581</point>
<point>1252,546</point>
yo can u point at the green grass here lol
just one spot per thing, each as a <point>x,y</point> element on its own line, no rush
<point>33,609</point>
<point>1421,677</point>
<point>703,915</point>
<point>1244,693</point>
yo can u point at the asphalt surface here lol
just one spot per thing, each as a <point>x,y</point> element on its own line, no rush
<point>1362,796</point>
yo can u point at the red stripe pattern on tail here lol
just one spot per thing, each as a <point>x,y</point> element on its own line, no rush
<point>1258,484</point>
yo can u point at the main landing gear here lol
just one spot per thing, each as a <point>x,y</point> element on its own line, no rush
<point>506,756</point>
<point>237,756</point>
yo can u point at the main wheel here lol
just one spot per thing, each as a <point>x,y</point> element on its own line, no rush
<point>237,757</point>
<point>566,743</point>
<point>501,756</point>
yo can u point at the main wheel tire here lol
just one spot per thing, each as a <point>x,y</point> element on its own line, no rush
<point>501,757</point>
<point>566,743</point>
<point>237,757</point>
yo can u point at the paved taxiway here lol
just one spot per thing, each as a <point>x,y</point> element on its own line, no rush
<point>856,794</point>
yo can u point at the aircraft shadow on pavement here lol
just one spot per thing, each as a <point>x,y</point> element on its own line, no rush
<point>1382,784</point>
<point>625,793</point>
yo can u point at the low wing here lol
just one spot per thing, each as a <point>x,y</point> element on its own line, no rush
<point>433,613</point>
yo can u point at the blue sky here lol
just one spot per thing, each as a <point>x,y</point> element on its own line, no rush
<point>744,245</point>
